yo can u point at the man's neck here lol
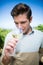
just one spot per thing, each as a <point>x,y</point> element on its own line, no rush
<point>30,30</point>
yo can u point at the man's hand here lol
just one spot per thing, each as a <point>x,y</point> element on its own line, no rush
<point>9,49</point>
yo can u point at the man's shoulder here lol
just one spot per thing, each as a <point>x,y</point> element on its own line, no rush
<point>38,31</point>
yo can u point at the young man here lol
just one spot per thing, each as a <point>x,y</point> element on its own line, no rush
<point>28,46</point>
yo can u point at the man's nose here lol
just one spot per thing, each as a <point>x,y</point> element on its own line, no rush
<point>19,26</point>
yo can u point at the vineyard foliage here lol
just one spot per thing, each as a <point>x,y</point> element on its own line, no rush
<point>3,33</point>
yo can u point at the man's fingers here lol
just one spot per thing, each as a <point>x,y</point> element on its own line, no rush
<point>11,45</point>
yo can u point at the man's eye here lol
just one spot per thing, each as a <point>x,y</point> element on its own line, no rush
<point>16,23</point>
<point>22,22</point>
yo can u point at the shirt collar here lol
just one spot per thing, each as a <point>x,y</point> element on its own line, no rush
<point>31,31</point>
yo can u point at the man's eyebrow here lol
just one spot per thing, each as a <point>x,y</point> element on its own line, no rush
<point>15,21</point>
<point>23,22</point>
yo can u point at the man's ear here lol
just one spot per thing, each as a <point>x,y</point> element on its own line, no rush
<point>30,19</point>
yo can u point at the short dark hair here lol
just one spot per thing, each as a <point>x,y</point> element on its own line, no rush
<point>21,9</point>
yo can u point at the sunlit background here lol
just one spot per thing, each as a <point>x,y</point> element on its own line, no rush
<point>6,20</point>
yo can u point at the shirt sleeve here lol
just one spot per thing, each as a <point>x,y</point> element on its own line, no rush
<point>7,38</point>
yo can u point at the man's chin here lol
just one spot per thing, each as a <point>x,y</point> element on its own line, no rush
<point>24,33</point>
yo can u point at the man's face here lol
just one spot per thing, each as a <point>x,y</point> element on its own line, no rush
<point>22,22</point>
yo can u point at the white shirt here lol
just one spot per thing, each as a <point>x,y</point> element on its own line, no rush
<point>28,43</point>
